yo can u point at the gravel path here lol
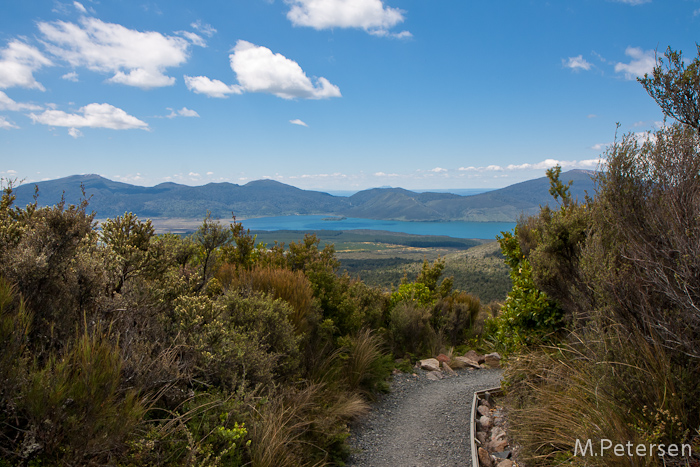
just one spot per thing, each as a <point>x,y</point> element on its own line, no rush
<point>420,423</point>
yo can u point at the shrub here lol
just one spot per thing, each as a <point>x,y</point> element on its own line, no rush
<point>455,316</point>
<point>410,330</point>
<point>237,341</point>
<point>528,315</point>
<point>291,286</point>
<point>73,408</point>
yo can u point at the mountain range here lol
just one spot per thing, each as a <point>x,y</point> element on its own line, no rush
<point>264,198</point>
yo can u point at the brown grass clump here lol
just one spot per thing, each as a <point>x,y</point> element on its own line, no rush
<point>291,286</point>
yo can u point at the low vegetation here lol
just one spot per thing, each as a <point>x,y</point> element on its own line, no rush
<point>119,346</point>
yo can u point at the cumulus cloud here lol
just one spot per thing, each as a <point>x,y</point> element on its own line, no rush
<point>438,170</point>
<point>296,121</point>
<point>370,15</point>
<point>589,164</point>
<point>643,61</point>
<point>183,112</point>
<point>8,104</point>
<point>576,63</point>
<point>75,133</point>
<point>18,62</point>
<point>6,124</point>
<point>211,87</point>
<point>90,116</point>
<point>135,58</point>
<point>258,69</point>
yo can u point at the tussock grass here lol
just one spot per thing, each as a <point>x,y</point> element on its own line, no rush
<point>284,425</point>
<point>618,387</point>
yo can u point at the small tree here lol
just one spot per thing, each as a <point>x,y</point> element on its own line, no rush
<point>209,237</point>
<point>129,240</point>
<point>675,86</point>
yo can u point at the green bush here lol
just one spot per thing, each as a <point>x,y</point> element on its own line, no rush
<point>528,316</point>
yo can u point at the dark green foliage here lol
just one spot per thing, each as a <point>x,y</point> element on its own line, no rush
<point>528,315</point>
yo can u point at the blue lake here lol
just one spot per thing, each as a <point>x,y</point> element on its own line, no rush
<point>487,230</point>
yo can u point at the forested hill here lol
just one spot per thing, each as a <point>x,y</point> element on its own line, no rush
<point>270,198</point>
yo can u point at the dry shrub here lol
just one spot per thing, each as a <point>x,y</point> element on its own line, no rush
<point>455,316</point>
<point>410,329</point>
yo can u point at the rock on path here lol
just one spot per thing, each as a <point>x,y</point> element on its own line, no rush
<point>420,423</point>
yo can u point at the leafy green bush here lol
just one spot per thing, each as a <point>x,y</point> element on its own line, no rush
<point>528,315</point>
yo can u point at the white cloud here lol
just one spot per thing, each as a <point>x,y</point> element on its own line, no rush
<point>576,63</point>
<point>196,39</point>
<point>91,116</point>
<point>72,76</point>
<point>8,104</point>
<point>370,15</point>
<point>18,62</point>
<point>6,124</point>
<point>634,2</point>
<point>136,58</point>
<point>79,6</point>
<point>211,87</point>
<point>643,61</point>
<point>183,112</point>
<point>438,170</point>
<point>259,70</point>
<point>204,28</point>
<point>75,133</point>
<point>382,174</point>
<point>542,165</point>
<point>296,121</point>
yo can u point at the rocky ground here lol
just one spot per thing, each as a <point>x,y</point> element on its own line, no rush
<point>422,421</point>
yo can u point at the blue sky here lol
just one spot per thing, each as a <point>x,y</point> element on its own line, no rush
<point>326,94</point>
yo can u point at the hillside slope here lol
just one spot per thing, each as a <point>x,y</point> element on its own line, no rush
<point>270,198</point>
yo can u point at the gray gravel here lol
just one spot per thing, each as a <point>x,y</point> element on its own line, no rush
<point>420,423</point>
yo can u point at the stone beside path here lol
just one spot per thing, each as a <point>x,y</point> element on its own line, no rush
<point>424,420</point>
